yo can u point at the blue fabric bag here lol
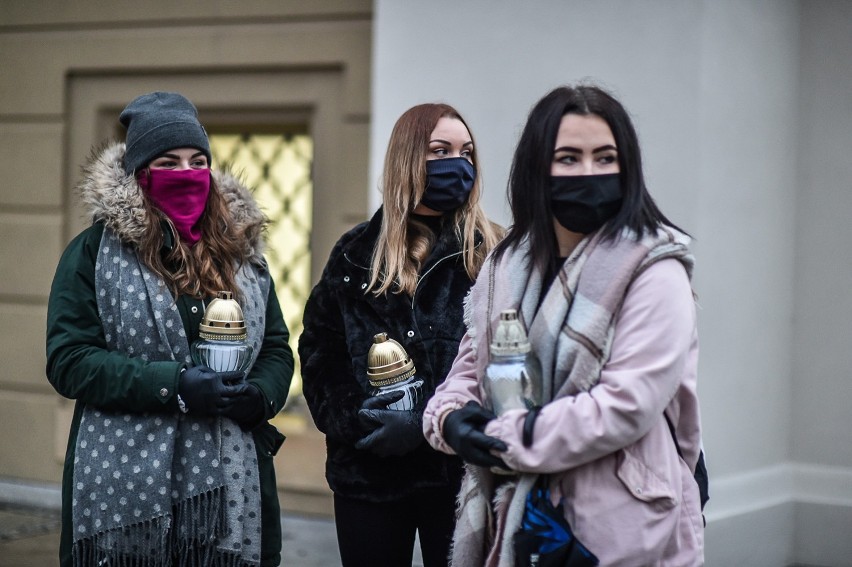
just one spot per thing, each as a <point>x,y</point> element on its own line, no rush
<point>545,539</point>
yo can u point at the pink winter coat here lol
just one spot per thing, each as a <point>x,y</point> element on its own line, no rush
<point>627,494</point>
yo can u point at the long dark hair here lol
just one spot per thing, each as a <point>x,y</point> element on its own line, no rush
<point>529,179</point>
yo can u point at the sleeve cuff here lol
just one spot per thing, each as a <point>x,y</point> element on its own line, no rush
<point>164,381</point>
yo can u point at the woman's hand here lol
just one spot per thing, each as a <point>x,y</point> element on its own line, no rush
<point>247,408</point>
<point>207,392</point>
<point>463,431</point>
<point>390,432</point>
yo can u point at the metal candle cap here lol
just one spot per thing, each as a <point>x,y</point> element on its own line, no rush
<point>387,362</point>
<point>223,319</point>
<point>510,337</point>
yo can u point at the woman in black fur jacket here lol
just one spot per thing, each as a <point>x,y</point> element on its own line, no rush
<point>405,272</point>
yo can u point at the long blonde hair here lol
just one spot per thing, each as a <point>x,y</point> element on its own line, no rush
<point>404,244</point>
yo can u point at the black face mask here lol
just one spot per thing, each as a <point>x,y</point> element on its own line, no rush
<point>583,203</point>
<point>449,182</point>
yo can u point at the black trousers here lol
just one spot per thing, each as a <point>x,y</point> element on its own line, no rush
<point>382,533</point>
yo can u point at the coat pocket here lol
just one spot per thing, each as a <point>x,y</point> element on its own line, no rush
<point>644,484</point>
<point>268,439</point>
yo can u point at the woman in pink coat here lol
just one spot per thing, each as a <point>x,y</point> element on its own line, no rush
<point>601,280</point>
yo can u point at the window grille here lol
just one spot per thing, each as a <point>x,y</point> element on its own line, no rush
<point>277,167</point>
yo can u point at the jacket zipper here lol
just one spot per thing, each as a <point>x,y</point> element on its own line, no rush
<point>346,255</point>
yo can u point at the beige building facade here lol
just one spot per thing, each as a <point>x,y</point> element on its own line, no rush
<point>68,70</point>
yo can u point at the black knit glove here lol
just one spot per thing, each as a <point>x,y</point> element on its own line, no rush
<point>463,431</point>
<point>206,392</point>
<point>389,432</point>
<point>247,408</point>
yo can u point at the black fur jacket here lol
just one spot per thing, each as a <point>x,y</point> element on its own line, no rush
<point>339,324</point>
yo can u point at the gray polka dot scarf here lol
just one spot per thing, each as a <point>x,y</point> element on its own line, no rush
<point>162,489</point>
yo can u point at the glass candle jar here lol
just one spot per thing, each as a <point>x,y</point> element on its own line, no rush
<point>389,369</point>
<point>223,344</point>
<point>513,375</point>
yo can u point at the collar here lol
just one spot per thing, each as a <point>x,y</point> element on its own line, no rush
<point>111,196</point>
<point>359,250</point>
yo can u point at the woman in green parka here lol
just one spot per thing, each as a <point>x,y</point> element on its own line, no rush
<point>168,463</point>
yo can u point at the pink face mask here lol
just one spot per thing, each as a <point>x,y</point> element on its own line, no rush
<point>181,195</point>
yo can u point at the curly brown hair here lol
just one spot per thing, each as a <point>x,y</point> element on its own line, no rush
<point>207,267</point>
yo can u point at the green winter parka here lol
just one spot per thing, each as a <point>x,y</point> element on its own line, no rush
<point>80,367</point>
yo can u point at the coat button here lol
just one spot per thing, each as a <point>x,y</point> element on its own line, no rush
<point>410,334</point>
<point>164,392</point>
<point>346,279</point>
<point>638,490</point>
<point>194,309</point>
<point>363,286</point>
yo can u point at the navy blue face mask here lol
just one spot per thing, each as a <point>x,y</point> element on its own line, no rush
<point>583,203</point>
<point>449,182</point>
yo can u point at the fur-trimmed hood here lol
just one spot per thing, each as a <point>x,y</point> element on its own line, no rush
<point>111,196</point>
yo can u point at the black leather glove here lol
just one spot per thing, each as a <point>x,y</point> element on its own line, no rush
<point>389,432</point>
<point>207,392</point>
<point>247,409</point>
<point>382,401</point>
<point>463,431</point>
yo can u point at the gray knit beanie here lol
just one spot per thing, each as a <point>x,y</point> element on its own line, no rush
<point>158,122</point>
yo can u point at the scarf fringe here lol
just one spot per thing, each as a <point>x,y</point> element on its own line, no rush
<point>88,556</point>
<point>100,549</point>
<point>197,525</point>
<point>188,538</point>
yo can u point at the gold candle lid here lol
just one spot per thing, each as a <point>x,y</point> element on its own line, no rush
<point>223,319</point>
<point>387,362</point>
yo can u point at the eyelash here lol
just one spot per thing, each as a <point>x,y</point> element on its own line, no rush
<point>444,151</point>
<point>570,159</point>
<point>199,163</point>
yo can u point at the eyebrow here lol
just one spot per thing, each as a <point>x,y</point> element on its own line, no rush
<point>607,147</point>
<point>175,156</point>
<point>440,141</point>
